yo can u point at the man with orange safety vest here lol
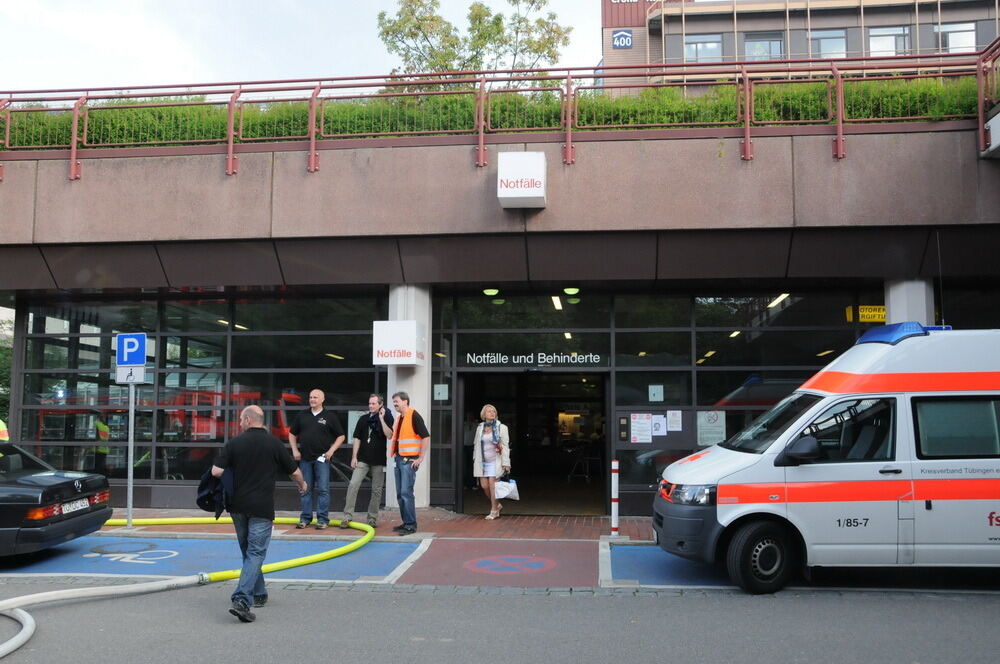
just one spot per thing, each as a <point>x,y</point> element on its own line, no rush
<point>102,432</point>
<point>410,444</point>
<point>4,436</point>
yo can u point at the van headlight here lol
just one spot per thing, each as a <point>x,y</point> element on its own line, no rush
<point>693,494</point>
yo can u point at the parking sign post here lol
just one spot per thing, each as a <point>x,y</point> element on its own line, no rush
<point>130,361</point>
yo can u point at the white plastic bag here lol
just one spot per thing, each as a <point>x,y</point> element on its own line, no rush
<point>506,489</point>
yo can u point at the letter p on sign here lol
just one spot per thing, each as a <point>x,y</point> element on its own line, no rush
<point>130,350</point>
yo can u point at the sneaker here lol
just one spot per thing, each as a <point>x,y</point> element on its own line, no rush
<point>321,525</point>
<point>372,522</point>
<point>259,601</point>
<point>398,528</point>
<point>345,523</point>
<point>406,530</point>
<point>301,524</point>
<point>242,611</point>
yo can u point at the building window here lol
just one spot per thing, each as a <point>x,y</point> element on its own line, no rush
<point>956,37</point>
<point>763,46</point>
<point>957,427</point>
<point>703,48</point>
<point>884,42</point>
<point>828,43</point>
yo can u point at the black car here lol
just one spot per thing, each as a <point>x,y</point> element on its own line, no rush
<point>41,507</point>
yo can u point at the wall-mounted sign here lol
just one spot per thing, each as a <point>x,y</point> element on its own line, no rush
<point>398,343</point>
<point>621,39</point>
<point>539,359</point>
<point>711,427</point>
<point>866,313</point>
<point>521,178</point>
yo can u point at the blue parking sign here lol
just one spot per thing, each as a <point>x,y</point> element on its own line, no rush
<point>130,349</point>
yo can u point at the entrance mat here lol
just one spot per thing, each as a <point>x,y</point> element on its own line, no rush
<point>135,556</point>
<point>508,563</point>
<point>652,566</point>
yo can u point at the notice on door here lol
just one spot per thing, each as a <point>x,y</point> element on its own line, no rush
<point>642,427</point>
<point>711,427</point>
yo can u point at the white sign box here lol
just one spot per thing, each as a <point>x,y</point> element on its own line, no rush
<point>398,342</point>
<point>521,179</point>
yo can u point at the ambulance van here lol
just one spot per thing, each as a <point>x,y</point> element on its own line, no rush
<point>889,456</point>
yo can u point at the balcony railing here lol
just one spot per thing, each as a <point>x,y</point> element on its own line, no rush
<point>719,99</point>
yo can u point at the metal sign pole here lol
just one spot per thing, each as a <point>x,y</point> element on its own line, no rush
<point>131,452</point>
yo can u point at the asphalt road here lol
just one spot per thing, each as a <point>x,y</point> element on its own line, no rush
<point>306,623</point>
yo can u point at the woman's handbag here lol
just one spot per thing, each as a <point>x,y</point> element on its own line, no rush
<point>506,489</point>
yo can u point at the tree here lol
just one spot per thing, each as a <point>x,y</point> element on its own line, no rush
<point>426,42</point>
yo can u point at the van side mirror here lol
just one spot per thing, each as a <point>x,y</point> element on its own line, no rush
<point>801,449</point>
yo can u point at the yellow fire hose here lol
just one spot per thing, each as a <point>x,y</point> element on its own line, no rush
<point>13,608</point>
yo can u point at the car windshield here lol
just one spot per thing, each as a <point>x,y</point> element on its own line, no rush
<point>765,429</point>
<point>16,463</point>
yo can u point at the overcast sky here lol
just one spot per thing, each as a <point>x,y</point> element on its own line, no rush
<point>102,43</point>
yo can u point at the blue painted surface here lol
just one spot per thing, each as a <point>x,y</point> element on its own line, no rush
<point>181,557</point>
<point>651,566</point>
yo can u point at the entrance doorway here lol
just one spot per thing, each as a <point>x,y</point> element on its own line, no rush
<point>558,442</point>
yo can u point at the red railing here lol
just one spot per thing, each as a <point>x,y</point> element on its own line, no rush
<point>740,97</point>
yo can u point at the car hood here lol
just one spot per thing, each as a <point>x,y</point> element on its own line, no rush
<point>708,466</point>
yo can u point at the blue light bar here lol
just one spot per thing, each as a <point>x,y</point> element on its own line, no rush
<point>892,334</point>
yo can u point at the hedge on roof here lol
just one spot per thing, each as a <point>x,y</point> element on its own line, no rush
<point>194,120</point>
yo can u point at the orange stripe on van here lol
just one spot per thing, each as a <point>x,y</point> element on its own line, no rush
<point>987,489</point>
<point>859,491</point>
<point>840,382</point>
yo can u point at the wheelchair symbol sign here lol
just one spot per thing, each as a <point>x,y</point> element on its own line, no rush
<point>141,553</point>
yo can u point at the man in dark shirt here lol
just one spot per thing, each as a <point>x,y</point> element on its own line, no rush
<point>315,435</point>
<point>256,458</point>
<point>368,455</point>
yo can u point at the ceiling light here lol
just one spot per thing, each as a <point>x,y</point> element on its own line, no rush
<point>440,354</point>
<point>735,334</point>
<point>334,356</point>
<point>222,322</point>
<point>825,352</point>
<point>557,303</point>
<point>241,327</point>
<point>491,291</point>
<point>700,360</point>
<point>573,300</point>
<point>709,353</point>
<point>571,291</point>
<point>776,301</point>
<point>583,380</point>
<point>642,353</point>
<point>498,300</point>
<point>568,335</point>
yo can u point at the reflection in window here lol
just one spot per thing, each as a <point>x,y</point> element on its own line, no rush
<point>190,425</point>
<point>828,43</point>
<point>92,317</point>
<point>79,390</point>
<point>777,309</point>
<point>703,48</point>
<point>195,353</point>
<point>113,463</point>
<point>636,349</point>
<point>957,427</point>
<point>645,466</point>
<point>652,311</point>
<point>747,389</point>
<point>514,312</point>
<point>56,423</point>
<point>291,390</point>
<point>309,314</point>
<point>635,388</point>
<point>334,351</point>
<point>956,37</point>
<point>889,41</point>
<point>196,316</point>
<point>184,463</point>
<point>764,46</point>
<point>807,348</point>
<point>192,388</point>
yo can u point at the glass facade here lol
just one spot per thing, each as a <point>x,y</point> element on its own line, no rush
<point>207,358</point>
<point>671,355</point>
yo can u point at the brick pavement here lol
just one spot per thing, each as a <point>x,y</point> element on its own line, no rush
<point>437,522</point>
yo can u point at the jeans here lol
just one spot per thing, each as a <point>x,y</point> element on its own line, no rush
<point>317,476</point>
<point>357,477</point>
<point>406,477</point>
<point>254,535</point>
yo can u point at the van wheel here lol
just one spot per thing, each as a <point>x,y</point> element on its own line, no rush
<point>760,558</point>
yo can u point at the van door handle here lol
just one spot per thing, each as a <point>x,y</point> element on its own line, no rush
<point>891,471</point>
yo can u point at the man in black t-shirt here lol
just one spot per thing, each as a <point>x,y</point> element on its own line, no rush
<point>314,436</point>
<point>255,458</point>
<point>368,455</point>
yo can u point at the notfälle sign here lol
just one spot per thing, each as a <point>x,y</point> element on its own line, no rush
<point>521,179</point>
<point>398,343</point>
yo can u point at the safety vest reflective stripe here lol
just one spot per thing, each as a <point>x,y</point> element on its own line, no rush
<point>406,442</point>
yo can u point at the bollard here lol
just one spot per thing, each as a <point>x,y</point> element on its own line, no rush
<point>614,498</point>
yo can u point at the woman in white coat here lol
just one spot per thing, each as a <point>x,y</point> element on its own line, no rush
<point>490,455</point>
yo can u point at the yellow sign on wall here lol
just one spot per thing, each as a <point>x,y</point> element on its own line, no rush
<point>866,313</point>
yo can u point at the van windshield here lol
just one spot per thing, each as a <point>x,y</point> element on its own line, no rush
<point>765,429</point>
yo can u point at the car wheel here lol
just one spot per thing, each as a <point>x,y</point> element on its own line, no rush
<point>760,558</point>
